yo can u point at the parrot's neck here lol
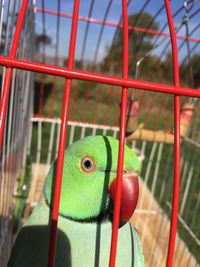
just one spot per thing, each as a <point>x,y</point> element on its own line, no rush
<point>105,216</point>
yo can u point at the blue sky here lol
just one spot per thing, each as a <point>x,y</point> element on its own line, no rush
<point>98,12</point>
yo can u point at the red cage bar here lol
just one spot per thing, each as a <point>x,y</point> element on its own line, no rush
<point>122,135</point>
<point>176,187</point>
<point>62,142</point>
<point>56,61</point>
<point>99,78</point>
<point>41,101</point>
<point>113,24</point>
<point>69,73</point>
<point>8,75</point>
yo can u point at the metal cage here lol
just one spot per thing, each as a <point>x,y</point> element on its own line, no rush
<point>103,76</point>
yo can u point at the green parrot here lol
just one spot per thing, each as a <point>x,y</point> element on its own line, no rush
<point>85,212</point>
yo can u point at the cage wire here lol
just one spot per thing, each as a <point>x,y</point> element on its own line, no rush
<point>19,109</point>
<point>41,30</point>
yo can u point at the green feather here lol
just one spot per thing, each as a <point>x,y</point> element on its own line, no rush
<point>83,238</point>
<point>84,195</point>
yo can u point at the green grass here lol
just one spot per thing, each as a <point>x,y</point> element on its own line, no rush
<point>22,194</point>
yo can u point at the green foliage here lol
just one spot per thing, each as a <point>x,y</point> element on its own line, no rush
<point>42,39</point>
<point>186,69</point>
<point>37,92</point>
<point>22,194</point>
<point>139,42</point>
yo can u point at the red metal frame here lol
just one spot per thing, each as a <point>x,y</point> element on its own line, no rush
<point>42,78</point>
<point>98,78</point>
<point>69,73</point>
<point>176,187</point>
<point>56,61</point>
<point>8,75</point>
<point>81,60</point>
<point>62,142</point>
<point>122,135</point>
<point>113,24</point>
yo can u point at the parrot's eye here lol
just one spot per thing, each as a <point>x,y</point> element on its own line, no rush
<point>87,164</point>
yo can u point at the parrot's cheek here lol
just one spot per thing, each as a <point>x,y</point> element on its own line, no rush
<point>129,196</point>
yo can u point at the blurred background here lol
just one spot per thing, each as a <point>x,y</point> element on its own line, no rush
<point>33,121</point>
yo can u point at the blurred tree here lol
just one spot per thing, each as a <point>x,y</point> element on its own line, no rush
<point>7,35</point>
<point>139,42</point>
<point>3,38</point>
<point>189,69</point>
<point>42,39</point>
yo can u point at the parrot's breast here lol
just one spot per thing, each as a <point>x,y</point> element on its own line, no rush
<point>78,244</point>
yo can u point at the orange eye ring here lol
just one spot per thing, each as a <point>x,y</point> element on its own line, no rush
<point>88,164</point>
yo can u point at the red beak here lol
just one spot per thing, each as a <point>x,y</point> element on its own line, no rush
<point>129,197</point>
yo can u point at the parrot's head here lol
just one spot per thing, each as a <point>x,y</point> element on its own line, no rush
<point>89,180</point>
